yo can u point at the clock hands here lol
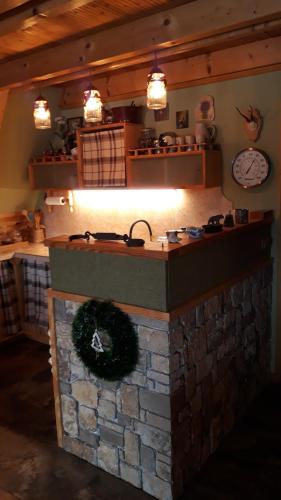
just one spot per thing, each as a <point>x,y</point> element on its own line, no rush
<point>248,170</point>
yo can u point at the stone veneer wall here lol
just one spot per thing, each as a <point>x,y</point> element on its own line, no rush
<point>220,358</point>
<point>195,375</point>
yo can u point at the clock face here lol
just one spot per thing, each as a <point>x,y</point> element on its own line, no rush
<point>250,167</point>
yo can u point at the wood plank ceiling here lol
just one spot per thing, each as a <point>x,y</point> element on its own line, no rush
<point>27,26</point>
<point>55,41</point>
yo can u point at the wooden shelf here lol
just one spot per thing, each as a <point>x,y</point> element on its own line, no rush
<point>52,159</point>
<point>108,126</point>
<point>57,163</point>
<point>48,174</point>
<point>173,166</point>
<point>169,151</point>
<point>198,169</point>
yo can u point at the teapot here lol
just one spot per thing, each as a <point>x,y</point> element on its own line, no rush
<point>205,133</point>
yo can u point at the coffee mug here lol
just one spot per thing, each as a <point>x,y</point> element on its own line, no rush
<point>172,236</point>
<point>180,139</point>
<point>189,139</point>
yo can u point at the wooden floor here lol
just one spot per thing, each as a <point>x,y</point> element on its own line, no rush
<point>247,465</point>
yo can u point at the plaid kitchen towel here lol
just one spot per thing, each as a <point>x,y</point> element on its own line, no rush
<point>103,161</point>
<point>8,299</point>
<point>36,281</point>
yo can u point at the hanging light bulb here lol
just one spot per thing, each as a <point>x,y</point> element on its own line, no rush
<point>92,105</point>
<point>156,88</point>
<point>41,113</point>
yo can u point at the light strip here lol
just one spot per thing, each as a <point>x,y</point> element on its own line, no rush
<point>156,200</point>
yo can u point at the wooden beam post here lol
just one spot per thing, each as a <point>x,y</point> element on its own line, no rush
<point>3,101</point>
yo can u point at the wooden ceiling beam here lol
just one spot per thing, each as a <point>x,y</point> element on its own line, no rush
<point>229,63</point>
<point>9,5</point>
<point>32,13</point>
<point>190,23</point>
<point>211,44</point>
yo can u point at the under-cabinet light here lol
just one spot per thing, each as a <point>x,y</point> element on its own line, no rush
<point>41,113</point>
<point>156,200</point>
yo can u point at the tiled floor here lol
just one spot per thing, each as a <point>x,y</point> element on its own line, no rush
<point>247,465</point>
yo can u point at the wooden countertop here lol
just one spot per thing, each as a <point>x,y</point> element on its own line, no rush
<point>23,248</point>
<point>154,249</point>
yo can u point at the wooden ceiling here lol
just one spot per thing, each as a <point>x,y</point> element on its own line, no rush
<point>49,42</point>
<point>27,26</point>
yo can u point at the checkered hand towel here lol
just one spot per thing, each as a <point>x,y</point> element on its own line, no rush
<point>36,281</point>
<point>103,161</point>
<point>8,299</point>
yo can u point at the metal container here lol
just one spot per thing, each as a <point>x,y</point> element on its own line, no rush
<point>129,114</point>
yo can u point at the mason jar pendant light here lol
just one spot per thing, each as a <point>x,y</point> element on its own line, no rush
<point>41,113</point>
<point>156,88</point>
<point>92,105</point>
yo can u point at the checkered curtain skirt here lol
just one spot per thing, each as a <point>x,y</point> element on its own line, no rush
<point>8,299</point>
<point>36,281</point>
<point>103,162</point>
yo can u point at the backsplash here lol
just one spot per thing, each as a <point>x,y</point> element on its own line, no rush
<point>116,210</point>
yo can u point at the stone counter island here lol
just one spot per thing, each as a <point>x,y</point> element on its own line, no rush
<point>201,310</point>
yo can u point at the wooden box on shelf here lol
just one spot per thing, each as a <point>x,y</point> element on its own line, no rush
<point>174,167</point>
<point>53,172</point>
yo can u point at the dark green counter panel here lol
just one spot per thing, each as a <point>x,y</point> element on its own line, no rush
<point>208,266</point>
<point>130,280</point>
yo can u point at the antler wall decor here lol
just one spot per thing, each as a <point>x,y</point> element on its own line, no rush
<point>252,122</point>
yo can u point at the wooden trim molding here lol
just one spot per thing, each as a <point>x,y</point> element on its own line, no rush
<point>141,311</point>
<point>55,373</point>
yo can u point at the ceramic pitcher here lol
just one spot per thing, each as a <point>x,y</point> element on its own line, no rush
<point>204,133</point>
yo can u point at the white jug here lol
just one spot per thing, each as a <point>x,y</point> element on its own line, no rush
<point>204,133</point>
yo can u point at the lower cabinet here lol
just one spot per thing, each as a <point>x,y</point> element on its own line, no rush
<point>10,324</point>
<point>36,280</point>
<point>24,282</point>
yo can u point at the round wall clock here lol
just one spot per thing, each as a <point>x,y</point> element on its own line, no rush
<point>250,167</point>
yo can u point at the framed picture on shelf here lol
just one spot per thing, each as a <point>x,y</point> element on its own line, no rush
<point>205,109</point>
<point>182,119</point>
<point>74,123</point>
<point>161,114</point>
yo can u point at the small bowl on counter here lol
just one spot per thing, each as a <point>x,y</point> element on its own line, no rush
<point>193,231</point>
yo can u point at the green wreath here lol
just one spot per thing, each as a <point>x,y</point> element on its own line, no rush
<point>105,340</point>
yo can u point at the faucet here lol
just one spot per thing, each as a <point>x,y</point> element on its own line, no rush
<point>136,222</point>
